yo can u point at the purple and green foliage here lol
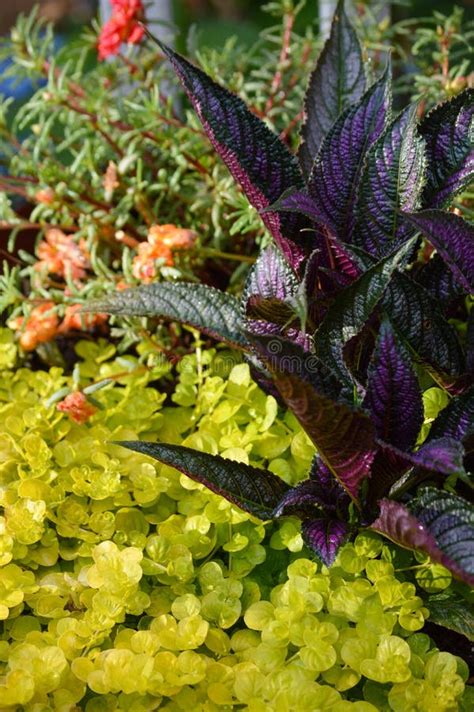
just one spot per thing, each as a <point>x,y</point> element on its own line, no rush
<point>345,317</point>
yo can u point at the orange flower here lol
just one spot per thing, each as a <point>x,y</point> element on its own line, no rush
<point>44,195</point>
<point>75,321</point>
<point>41,326</point>
<point>60,254</point>
<point>77,407</point>
<point>162,240</point>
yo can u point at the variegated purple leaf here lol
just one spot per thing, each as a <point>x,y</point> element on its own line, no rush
<point>438,280</point>
<point>337,81</point>
<point>255,156</point>
<point>321,490</point>
<point>392,179</point>
<point>254,490</point>
<point>344,436</point>
<point>296,200</point>
<point>438,523</point>
<point>418,322</point>
<point>457,419</point>
<point>453,238</point>
<point>448,131</point>
<point>261,330</point>
<point>302,500</point>
<point>443,456</point>
<point>470,343</point>
<point>325,536</point>
<point>352,308</point>
<point>336,171</point>
<point>270,277</point>
<point>393,394</point>
<point>281,355</point>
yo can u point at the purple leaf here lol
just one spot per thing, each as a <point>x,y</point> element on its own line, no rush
<point>453,238</point>
<point>254,490</point>
<point>321,490</point>
<point>438,280</point>
<point>352,308</point>
<point>301,500</point>
<point>271,277</point>
<point>336,172</point>
<point>392,179</point>
<point>418,321</point>
<point>393,394</point>
<point>438,523</point>
<point>296,200</point>
<point>337,81</point>
<point>470,343</point>
<point>343,436</point>
<point>258,160</point>
<point>441,456</point>
<point>448,133</point>
<point>325,536</point>
<point>457,419</point>
<point>283,355</point>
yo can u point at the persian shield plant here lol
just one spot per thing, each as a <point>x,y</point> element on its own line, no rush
<point>347,316</point>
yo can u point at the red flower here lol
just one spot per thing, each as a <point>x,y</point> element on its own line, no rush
<point>123,26</point>
<point>77,407</point>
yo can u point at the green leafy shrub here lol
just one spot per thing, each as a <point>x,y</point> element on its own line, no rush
<point>124,585</point>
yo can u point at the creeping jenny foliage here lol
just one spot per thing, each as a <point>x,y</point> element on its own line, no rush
<point>126,586</point>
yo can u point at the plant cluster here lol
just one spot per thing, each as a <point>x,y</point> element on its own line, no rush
<point>348,311</point>
<point>104,161</point>
<point>125,585</point>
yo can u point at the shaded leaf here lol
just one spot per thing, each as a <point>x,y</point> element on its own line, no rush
<point>337,81</point>
<point>253,490</point>
<point>457,419</point>
<point>211,311</point>
<point>353,306</point>
<point>321,490</point>
<point>393,394</point>
<point>453,238</point>
<point>439,456</point>
<point>418,321</point>
<point>438,523</point>
<point>392,179</point>
<point>325,536</point>
<point>438,280</point>
<point>452,612</point>
<point>271,310</point>
<point>258,160</point>
<point>336,172</point>
<point>343,436</point>
<point>448,131</point>
<point>282,355</point>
